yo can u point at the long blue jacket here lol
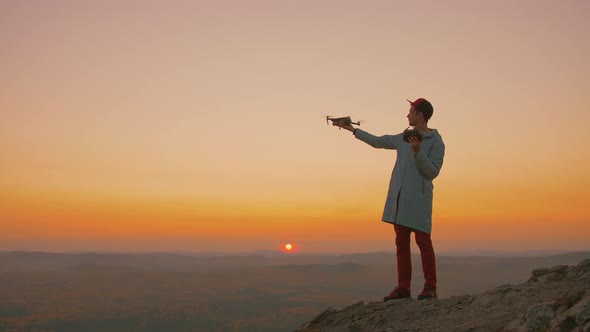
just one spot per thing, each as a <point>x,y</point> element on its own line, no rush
<point>409,198</point>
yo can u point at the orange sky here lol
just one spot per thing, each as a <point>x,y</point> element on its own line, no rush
<point>200,126</point>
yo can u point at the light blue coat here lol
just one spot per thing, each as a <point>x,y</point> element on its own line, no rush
<point>409,199</point>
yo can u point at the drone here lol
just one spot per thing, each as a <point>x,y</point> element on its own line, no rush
<point>341,121</point>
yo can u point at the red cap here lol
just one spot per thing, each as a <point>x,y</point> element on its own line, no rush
<point>416,102</point>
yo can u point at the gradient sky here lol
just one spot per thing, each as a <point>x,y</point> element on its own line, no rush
<point>200,125</point>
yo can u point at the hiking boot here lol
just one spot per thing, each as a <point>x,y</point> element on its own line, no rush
<point>398,293</point>
<point>427,293</point>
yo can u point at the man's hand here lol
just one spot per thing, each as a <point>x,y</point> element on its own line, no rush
<point>415,143</point>
<point>341,124</point>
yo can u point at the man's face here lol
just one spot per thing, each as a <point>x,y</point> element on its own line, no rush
<point>412,116</point>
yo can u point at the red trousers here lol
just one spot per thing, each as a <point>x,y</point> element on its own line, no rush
<point>404,258</point>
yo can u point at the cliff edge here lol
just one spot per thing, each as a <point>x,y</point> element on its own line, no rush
<point>553,299</point>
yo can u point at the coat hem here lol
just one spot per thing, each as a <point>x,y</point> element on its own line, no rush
<point>394,223</point>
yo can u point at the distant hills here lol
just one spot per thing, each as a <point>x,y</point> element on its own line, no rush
<point>211,292</point>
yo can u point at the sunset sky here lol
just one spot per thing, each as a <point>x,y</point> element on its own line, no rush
<point>200,125</point>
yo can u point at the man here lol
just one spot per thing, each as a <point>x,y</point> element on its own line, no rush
<point>409,200</point>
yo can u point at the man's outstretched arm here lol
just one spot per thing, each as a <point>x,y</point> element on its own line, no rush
<point>379,142</point>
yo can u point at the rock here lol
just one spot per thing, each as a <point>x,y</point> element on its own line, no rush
<point>553,299</point>
<point>539,316</point>
<point>322,316</point>
<point>549,274</point>
<point>354,306</point>
<point>583,313</point>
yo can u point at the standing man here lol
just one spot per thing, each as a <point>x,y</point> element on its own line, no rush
<point>409,200</point>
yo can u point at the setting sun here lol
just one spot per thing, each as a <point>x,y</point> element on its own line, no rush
<point>288,247</point>
<point>82,170</point>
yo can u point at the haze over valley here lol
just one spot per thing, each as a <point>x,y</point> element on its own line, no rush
<point>189,292</point>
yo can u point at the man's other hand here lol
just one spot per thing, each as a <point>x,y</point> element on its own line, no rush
<point>415,143</point>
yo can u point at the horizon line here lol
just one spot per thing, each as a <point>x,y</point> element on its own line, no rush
<point>474,252</point>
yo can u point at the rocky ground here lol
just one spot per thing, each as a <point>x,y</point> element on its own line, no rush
<point>553,299</point>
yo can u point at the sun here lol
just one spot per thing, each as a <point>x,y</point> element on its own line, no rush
<point>289,247</point>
